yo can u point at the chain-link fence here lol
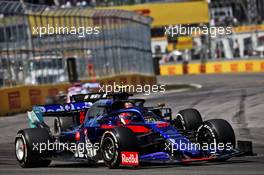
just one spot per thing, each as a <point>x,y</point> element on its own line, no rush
<point>35,42</point>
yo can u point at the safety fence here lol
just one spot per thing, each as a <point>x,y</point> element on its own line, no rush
<point>22,98</point>
<point>35,42</point>
<point>213,67</point>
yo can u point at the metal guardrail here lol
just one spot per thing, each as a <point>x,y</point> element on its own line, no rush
<point>122,45</point>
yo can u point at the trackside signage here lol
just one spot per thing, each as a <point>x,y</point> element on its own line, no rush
<point>129,158</point>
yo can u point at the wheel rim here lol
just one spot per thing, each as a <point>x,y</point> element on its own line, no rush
<point>205,136</point>
<point>179,122</point>
<point>108,149</point>
<point>20,149</point>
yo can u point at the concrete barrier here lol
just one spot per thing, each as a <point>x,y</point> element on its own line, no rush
<point>22,98</point>
<point>214,67</point>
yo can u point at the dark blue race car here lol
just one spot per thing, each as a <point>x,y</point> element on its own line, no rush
<point>121,132</point>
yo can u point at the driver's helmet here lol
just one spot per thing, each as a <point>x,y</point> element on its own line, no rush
<point>128,105</point>
<point>126,117</point>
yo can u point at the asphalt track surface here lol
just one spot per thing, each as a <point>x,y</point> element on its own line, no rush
<point>237,98</point>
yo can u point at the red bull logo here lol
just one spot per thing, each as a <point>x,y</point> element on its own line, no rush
<point>129,158</point>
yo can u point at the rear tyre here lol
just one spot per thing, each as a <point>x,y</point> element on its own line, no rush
<point>114,142</point>
<point>217,131</point>
<point>27,144</point>
<point>188,119</point>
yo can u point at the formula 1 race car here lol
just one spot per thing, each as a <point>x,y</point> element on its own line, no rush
<point>76,88</point>
<point>121,132</point>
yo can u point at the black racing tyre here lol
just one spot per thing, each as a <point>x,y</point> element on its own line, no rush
<point>27,147</point>
<point>114,142</point>
<point>189,119</point>
<point>217,131</point>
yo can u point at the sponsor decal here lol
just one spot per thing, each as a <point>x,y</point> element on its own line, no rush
<point>234,67</point>
<point>129,158</point>
<point>65,107</point>
<point>218,68</point>
<point>249,66</point>
<point>35,96</point>
<point>262,66</point>
<point>171,70</point>
<point>14,100</point>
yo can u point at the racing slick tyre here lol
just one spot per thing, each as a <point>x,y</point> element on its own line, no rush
<point>27,147</point>
<point>115,141</point>
<point>189,119</point>
<point>217,131</point>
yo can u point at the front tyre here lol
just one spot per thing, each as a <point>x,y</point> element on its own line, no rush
<point>114,142</point>
<point>26,151</point>
<point>217,131</point>
<point>109,151</point>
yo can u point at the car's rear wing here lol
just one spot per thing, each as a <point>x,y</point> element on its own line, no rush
<point>90,97</point>
<point>63,109</point>
<point>36,116</point>
<point>93,97</point>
